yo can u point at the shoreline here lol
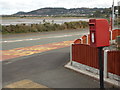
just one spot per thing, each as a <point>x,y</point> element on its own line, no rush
<point>36,20</point>
<point>43,17</point>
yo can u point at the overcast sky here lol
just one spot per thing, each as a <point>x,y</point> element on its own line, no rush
<point>13,6</point>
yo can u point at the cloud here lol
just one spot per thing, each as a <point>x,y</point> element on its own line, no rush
<point>13,6</point>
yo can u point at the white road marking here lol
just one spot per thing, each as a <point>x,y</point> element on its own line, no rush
<point>10,41</point>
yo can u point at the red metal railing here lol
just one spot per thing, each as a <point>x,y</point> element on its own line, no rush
<point>115,33</point>
<point>114,62</point>
<point>88,38</point>
<point>77,41</point>
<point>85,54</point>
<point>84,38</point>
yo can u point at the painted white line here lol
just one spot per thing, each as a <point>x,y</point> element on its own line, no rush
<point>10,41</point>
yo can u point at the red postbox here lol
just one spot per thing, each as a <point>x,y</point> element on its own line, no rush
<point>99,32</point>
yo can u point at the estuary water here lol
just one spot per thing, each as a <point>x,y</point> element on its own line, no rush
<point>37,21</point>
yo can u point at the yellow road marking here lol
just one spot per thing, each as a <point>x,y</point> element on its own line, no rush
<point>25,84</point>
<point>24,51</point>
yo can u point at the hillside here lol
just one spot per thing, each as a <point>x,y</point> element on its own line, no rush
<point>45,11</point>
<point>65,12</point>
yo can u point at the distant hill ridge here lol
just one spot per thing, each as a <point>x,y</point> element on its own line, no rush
<point>50,11</point>
<point>44,11</point>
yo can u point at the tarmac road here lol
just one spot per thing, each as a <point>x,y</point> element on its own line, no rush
<point>46,68</point>
<point>24,40</point>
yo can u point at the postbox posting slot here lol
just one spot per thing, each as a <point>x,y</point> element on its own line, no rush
<point>92,26</point>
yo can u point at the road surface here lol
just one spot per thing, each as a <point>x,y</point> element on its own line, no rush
<point>44,67</point>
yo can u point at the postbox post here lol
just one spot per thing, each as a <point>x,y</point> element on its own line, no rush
<point>99,38</point>
<point>100,63</point>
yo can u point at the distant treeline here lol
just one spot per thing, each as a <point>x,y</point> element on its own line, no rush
<point>46,26</point>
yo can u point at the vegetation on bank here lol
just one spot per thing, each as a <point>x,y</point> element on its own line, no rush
<point>42,17</point>
<point>117,21</point>
<point>46,26</point>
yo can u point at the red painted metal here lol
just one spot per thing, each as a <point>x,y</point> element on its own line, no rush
<point>99,32</point>
<point>84,38</point>
<point>114,62</point>
<point>77,41</point>
<point>115,33</point>
<point>89,39</point>
<point>85,54</point>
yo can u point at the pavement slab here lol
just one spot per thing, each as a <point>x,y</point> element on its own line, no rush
<point>25,84</point>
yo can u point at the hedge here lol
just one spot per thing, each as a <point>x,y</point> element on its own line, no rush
<point>23,28</point>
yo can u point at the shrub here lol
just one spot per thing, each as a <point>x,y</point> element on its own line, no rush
<point>23,28</point>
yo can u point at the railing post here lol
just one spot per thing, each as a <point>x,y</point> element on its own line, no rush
<point>105,63</point>
<point>111,35</point>
<point>87,39</point>
<point>81,40</point>
<point>71,54</point>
